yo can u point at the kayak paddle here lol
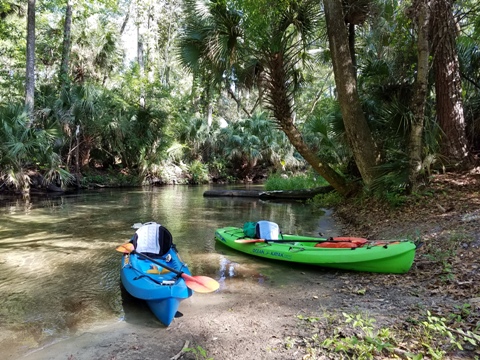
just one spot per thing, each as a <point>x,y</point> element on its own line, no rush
<point>346,239</point>
<point>201,284</point>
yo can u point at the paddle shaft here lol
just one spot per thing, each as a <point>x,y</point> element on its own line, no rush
<point>300,240</point>
<point>159,263</point>
<point>246,241</point>
<point>201,284</point>
<point>336,239</point>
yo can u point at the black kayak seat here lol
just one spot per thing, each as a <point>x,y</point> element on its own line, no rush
<point>267,230</point>
<point>152,239</point>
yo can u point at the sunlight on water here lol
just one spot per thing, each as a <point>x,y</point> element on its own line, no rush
<point>59,271</point>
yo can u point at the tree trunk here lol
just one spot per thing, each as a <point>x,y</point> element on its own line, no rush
<point>67,43</point>
<point>280,102</point>
<point>77,155</point>
<point>168,49</point>
<point>237,100</point>
<point>30,66</point>
<point>356,126</point>
<point>125,21</point>
<point>320,166</point>
<point>152,41</point>
<point>448,86</point>
<point>141,66</point>
<point>141,51</point>
<point>351,45</point>
<point>421,9</point>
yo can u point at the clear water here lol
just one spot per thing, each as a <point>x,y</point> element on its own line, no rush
<point>59,271</point>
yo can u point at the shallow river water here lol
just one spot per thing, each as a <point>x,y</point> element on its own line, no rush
<point>59,271</point>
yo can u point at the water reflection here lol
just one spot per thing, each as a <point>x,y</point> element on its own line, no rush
<point>136,311</point>
<point>59,271</point>
<point>233,272</point>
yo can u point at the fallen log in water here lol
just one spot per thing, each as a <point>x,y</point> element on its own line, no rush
<point>296,194</point>
<point>276,194</point>
<point>236,193</point>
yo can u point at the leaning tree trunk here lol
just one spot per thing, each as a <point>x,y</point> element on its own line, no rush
<point>280,103</point>
<point>356,126</point>
<point>448,86</point>
<point>421,11</point>
<point>319,165</point>
<point>30,66</point>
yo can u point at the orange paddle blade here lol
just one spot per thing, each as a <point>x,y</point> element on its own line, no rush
<point>201,284</point>
<point>125,248</point>
<point>247,241</point>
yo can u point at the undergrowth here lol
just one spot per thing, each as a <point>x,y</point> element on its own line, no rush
<point>328,200</point>
<point>199,352</point>
<point>296,182</point>
<point>355,336</point>
<point>110,179</point>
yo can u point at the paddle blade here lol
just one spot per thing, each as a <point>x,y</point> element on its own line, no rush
<point>125,248</point>
<point>248,241</point>
<point>201,284</point>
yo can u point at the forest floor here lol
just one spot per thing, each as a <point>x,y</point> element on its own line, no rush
<point>280,322</point>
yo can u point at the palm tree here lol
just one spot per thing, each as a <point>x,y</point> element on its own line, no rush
<point>252,144</point>
<point>96,50</point>
<point>209,46</point>
<point>223,43</point>
<point>23,149</point>
<point>199,138</point>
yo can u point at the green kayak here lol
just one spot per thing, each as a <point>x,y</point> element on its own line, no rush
<point>346,253</point>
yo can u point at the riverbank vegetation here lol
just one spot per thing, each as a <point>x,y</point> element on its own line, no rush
<point>126,93</point>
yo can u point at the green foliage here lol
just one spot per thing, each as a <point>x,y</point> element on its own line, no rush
<point>12,52</point>
<point>234,150</point>
<point>366,344</point>
<point>328,200</point>
<point>355,336</point>
<point>199,139</point>
<point>25,146</point>
<point>392,180</point>
<point>111,130</point>
<point>199,352</point>
<point>469,58</point>
<point>110,179</point>
<point>438,337</point>
<point>296,182</point>
<point>198,173</point>
<point>218,170</point>
<point>324,131</point>
<point>225,45</point>
<point>253,143</point>
<point>395,199</point>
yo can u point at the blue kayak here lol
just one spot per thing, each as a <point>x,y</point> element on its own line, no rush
<point>162,289</point>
